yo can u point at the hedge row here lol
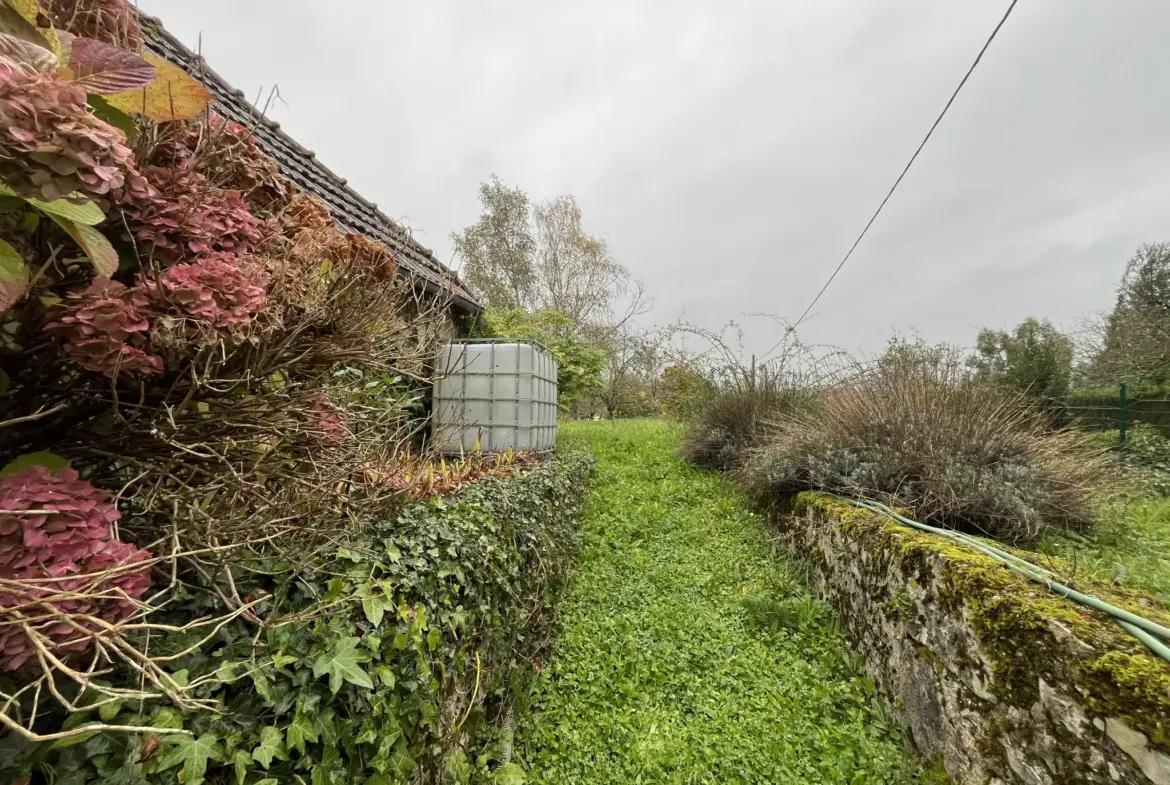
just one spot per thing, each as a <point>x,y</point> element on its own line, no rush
<point>395,657</point>
<point>1099,409</point>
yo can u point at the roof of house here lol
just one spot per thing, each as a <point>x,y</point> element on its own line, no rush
<point>352,212</point>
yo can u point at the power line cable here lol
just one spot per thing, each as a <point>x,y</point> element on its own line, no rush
<point>897,182</point>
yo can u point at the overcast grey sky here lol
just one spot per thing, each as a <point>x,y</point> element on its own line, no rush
<point>731,150</point>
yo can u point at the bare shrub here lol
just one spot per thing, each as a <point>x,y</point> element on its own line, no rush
<point>735,422</point>
<point>915,431</point>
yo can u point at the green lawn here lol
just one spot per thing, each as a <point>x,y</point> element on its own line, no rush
<point>1129,545</point>
<point>688,649</point>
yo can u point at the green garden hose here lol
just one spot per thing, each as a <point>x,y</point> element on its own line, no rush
<point>1150,633</point>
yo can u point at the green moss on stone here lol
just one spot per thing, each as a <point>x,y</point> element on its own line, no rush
<point>1011,617</point>
<point>1132,687</point>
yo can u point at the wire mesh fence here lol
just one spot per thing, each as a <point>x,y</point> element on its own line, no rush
<point>1119,410</point>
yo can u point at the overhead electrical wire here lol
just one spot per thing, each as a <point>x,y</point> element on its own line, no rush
<point>898,182</point>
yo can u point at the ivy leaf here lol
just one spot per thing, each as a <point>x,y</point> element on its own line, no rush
<point>173,95</point>
<point>104,69</point>
<point>29,53</point>
<point>166,717</point>
<point>193,753</point>
<point>510,774</point>
<point>343,664</point>
<point>375,608</point>
<point>107,711</point>
<point>54,463</point>
<point>242,761</point>
<point>271,746</point>
<point>101,254</point>
<point>13,276</point>
<point>300,731</point>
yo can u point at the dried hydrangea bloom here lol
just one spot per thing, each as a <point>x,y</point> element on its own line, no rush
<point>174,214</point>
<point>105,330</point>
<point>221,290</point>
<point>111,21</point>
<point>65,548</point>
<point>364,256</point>
<point>51,146</point>
<point>327,419</point>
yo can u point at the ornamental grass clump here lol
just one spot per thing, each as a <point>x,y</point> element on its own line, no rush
<point>916,432</point>
<point>734,422</point>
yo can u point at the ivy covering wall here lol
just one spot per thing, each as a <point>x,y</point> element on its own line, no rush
<point>390,659</point>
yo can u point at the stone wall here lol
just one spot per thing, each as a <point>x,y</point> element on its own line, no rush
<point>995,677</point>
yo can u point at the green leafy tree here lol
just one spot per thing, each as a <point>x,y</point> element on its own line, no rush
<point>1134,340</point>
<point>498,249</point>
<point>539,257</point>
<point>685,391</point>
<point>580,364</point>
<point>1035,358</point>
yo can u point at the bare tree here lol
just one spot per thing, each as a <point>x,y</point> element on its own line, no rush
<point>575,272</point>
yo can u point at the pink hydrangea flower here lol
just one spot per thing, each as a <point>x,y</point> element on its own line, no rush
<point>67,536</point>
<point>51,145</point>
<point>105,330</point>
<point>221,290</point>
<point>174,214</point>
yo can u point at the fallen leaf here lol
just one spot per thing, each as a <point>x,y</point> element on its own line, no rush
<point>149,745</point>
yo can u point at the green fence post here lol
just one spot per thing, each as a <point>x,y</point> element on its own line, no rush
<point>1121,417</point>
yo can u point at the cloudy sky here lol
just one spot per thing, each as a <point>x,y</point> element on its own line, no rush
<point>731,150</point>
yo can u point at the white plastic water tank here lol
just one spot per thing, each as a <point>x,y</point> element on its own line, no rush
<point>499,394</point>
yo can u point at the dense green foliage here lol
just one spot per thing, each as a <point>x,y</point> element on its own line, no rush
<point>390,660</point>
<point>580,363</point>
<point>686,392</point>
<point>688,649</point>
<point>1035,359</point>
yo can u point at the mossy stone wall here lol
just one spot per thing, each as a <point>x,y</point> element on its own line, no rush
<point>996,677</point>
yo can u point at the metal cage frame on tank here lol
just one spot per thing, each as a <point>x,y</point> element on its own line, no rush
<point>493,407</point>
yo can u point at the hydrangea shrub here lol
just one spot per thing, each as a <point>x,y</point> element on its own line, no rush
<point>65,540</point>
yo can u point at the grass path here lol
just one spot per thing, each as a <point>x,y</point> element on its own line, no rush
<point>688,651</point>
